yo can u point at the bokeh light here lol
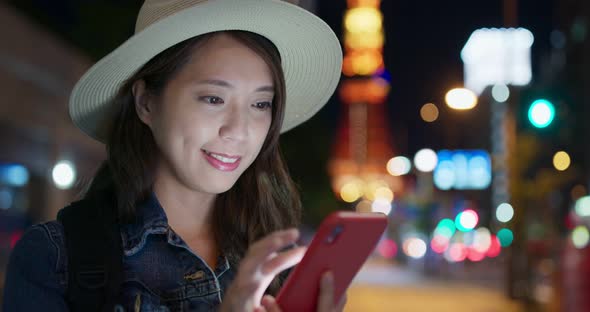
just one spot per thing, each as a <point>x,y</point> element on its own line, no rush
<point>482,240</point>
<point>14,175</point>
<point>580,237</point>
<point>495,247</point>
<point>582,206</point>
<point>446,228</point>
<point>429,112</point>
<point>461,99</point>
<point>383,193</point>
<point>64,174</point>
<point>475,255</point>
<point>363,20</point>
<point>425,160</point>
<point>506,237</point>
<point>350,192</point>
<point>541,113</point>
<point>456,252</point>
<point>387,248</point>
<point>466,220</point>
<point>381,205</point>
<point>561,160</point>
<point>398,166</point>
<point>504,212</point>
<point>500,93</point>
<point>439,243</point>
<point>415,247</point>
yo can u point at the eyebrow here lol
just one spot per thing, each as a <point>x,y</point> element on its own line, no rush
<point>225,84</point>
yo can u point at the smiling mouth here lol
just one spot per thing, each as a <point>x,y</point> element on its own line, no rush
<point>222,162</point>
<point>223,157</point>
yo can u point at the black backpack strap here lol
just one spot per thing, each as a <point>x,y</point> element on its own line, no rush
<point>95,254</point>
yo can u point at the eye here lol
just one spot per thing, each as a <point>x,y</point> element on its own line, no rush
<point>211,99</point>
<point>263,105</point>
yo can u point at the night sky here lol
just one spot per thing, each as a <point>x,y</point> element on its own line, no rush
<point>422,54</point>
<point>423,42</point>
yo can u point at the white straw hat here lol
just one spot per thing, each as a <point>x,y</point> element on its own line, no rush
<point>310,52</point>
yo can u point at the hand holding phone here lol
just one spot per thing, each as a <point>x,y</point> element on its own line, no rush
<point>341,245</point>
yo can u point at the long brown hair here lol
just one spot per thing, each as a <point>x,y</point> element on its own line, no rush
<point>264,199</point>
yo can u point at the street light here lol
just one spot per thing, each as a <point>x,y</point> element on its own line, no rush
<point>541,113</point>
<point>461,99</point>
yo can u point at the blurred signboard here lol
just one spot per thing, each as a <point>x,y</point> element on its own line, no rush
<point>463,170</point>
<point>497,56</point>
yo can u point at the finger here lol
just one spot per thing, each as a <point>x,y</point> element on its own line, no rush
<point>266,247</point>
<point>342,303</point>
<point>326,299</point>
<point>273,242</point>
<point>283,261</point>
<point>270,304</point>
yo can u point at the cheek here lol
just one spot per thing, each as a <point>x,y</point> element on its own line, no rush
<point>261,130</point>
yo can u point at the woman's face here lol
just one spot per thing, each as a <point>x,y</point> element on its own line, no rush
<point>212,118</point>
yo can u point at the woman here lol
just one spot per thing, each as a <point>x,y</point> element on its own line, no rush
<point>190,109</point>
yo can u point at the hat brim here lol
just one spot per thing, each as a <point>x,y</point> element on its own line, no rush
<point>310,52</point>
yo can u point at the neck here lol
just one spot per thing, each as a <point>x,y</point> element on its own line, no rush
<point>188,211</point>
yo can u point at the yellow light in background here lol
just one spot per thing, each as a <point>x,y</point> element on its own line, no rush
<point>461,98</point>
<point>429,112</point>
<point>561,160</point>
<point>363,40</point>
<point>383,193</point>
<point>578,191</point>
<point>350,192</point>
<point>365,63</point>
<point>371,188</point>
<point>363,20</point>
<point>580,237</point>
<point>363,3</point>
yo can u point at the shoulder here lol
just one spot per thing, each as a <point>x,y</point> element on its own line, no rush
<point>36,276</point>
<point>40,254</point>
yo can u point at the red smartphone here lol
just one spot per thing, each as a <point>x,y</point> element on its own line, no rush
<point>342,244</point>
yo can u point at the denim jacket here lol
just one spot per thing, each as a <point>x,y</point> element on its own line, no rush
<point>161,273</point>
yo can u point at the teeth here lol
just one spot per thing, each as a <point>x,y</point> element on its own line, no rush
<point>223,159</point>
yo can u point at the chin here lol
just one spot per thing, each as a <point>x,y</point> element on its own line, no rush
<point>216,187</point>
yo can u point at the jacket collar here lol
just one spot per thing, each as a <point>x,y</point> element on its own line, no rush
<point>150,219</point>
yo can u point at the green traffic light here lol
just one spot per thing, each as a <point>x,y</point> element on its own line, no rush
<point>541,113</point>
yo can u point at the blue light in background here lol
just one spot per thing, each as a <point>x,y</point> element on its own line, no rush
<point>14,175</point>
<point>463,170</point>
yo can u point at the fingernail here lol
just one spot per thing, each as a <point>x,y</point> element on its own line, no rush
<point>292,233</point>
<point>268,299</point>
<point>328,279</point>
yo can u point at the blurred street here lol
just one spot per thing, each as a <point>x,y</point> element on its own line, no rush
<point>383,287</point>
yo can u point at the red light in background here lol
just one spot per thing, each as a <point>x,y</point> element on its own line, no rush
<point>475,255</point>
<point>457,252</point>
<point>14,238</point>
<point>439,243</point>
<point>387,248</point>
<point>495,247</point>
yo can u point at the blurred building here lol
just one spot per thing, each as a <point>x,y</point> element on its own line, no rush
<point>37,72</point>
<point>570,60</point>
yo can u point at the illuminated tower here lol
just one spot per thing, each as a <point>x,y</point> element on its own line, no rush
<point>363,144</point>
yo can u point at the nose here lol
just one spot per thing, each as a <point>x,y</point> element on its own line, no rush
<point>235,124</point>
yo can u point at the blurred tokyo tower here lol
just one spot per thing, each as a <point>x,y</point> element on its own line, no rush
<point>364,144</point>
